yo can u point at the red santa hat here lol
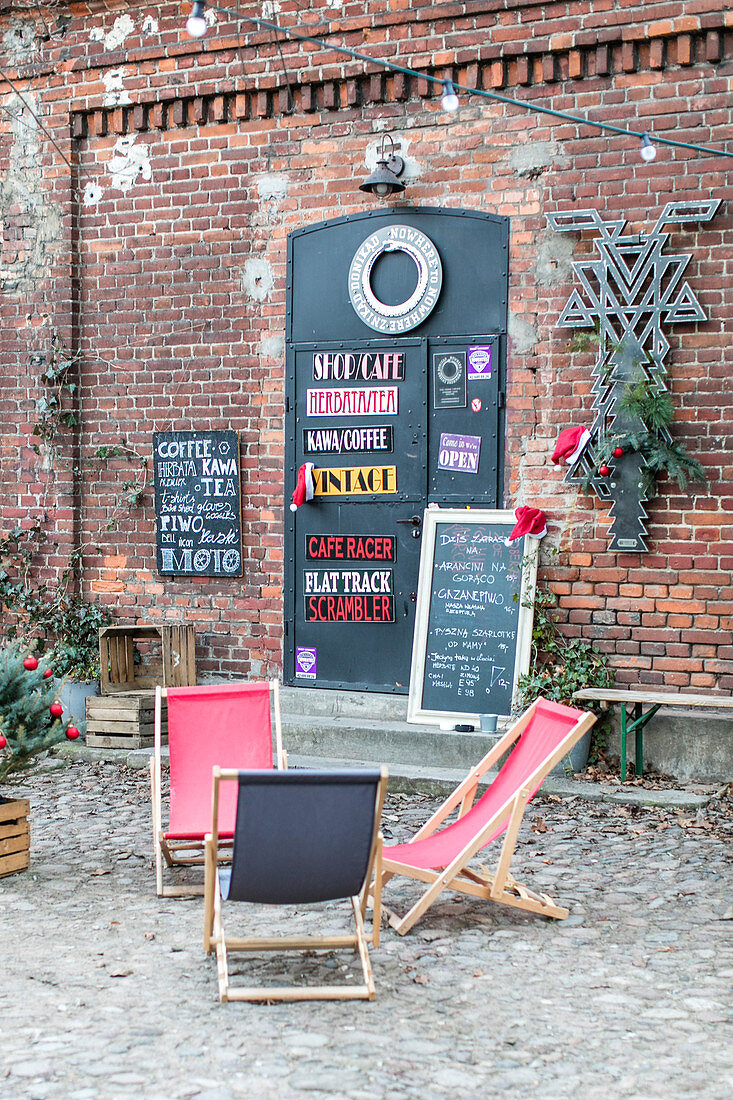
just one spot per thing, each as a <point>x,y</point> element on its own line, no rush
<point>570,445</point>
<point>530,521</point>
<point>304,488</point>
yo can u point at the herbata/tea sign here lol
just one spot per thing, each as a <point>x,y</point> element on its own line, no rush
<point>197,503</point>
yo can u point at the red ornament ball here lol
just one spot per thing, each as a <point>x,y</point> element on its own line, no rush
<point>56,710</point>
<point>72,733</point>
<point>3,741</point>
<point>604,470</point>
<point>30,663</point>
<point>47,673</point>
<point>617,452</point>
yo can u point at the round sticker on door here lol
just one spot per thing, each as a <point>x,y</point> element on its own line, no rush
<point>476,404</point>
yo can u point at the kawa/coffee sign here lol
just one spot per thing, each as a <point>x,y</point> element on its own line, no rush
<point>197,503</point>
<point>378,401</point>
<point>343,481</point>
<point>336,441</point>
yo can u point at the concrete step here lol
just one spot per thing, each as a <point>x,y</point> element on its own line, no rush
<point>342,704</point>
<point>382,741</point>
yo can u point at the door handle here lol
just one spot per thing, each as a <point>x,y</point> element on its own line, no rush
<point>416,521</point>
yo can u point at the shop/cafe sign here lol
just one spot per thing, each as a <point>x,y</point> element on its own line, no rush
<point>376,401</point>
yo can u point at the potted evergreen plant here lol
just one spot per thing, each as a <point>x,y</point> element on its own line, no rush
<point>31,723</point>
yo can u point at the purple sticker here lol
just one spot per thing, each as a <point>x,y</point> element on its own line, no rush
<point>479,361</point>
<point>459,452</point>
<point>306,662</point>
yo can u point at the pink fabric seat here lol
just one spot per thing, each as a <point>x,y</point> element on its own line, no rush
<point>223,724</point>
<point>550,723</point>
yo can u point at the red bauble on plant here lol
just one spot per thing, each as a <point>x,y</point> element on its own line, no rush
<point>56,710</point>
<point>604,470</point>
<point>617,452</point>
<point>30,663</point>
<point>3,741</point>
<point>72,733</point>
<point>47,673</point>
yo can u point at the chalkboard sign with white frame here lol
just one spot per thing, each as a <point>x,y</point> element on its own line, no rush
<point>475,606</point>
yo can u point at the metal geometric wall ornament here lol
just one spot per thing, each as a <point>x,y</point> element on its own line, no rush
<point>629,290</point>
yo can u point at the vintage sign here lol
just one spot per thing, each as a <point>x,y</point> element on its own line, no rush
<point>306,662</point>
<point>350,548</point>
<point>405,315</point>
<point>459,452</point>
<point>364,366</point>
<point>379,401</point>
<point>479,362</point>
<point>349,609</point>
<point>341,481</point>
<point>336,441</point>
<point>449,380</point>
<point>197,503</point>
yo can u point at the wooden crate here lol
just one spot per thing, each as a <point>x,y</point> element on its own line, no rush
<point>176,666</point>
<point>15,836</point>
<point>124,721</point>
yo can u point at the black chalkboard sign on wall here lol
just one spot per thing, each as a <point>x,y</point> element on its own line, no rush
<point>198,503</point>
<point>473,627</point>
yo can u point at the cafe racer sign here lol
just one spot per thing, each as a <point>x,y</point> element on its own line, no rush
<point>406,315</point>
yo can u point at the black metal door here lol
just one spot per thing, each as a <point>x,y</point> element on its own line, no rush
<point>360,415</point>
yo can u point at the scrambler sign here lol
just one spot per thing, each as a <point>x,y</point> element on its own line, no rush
<point>348,595</point>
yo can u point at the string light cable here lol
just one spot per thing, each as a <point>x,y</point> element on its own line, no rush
<point>645,138</point>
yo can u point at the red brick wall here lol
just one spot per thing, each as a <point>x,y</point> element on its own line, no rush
<point>172,289</point>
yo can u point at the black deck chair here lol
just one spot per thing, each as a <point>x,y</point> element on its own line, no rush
<point>300,837</point>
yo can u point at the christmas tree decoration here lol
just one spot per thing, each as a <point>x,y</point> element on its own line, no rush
<point>617,452</point>
<point>30,663</point>
<point>56,710</point>
<point>604,470</point>
<point>27,726</point>
<point>629,289</point>
<point>72,732</point>
<point>48,673</point>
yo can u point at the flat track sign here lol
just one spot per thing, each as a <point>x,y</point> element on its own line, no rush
<point>473,625</point>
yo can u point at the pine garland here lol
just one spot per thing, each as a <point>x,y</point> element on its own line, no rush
<point>27,727</point>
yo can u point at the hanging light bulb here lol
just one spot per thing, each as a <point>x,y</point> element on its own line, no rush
<point>648,150</point>
<point>449,100</point>
<point>196,24</point>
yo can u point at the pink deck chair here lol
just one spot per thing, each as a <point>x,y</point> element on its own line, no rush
<point>223,725</point>
<point>544,734</point>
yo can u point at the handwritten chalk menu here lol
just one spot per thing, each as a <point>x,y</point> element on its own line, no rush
<point>472,629</point>
<point>197,503</point>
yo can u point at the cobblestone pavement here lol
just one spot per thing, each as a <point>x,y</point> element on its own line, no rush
<point>105,991</point>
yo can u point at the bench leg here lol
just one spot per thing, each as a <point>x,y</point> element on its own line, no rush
<point>623,742</point>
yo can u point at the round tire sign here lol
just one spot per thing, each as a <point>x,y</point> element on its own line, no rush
<point>408,314</point>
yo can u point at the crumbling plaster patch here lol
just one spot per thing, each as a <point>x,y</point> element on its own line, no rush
<point>20,40</point>
<point>258,278</point>
<point>117,95</point>
<point>522,334</point>
<point>32,226</point>
<point>554,263</point>
<point>129,162</point>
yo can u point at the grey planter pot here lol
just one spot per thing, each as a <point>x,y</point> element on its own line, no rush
<point>73,697</point>
<point>576,759</point>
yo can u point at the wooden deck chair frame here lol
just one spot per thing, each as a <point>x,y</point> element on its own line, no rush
<point>358,940</point>
<point>499,885</point>
<point>185,853</point>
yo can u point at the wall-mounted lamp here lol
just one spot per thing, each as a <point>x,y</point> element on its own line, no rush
<point>196,24</point>
<point>383,180</point>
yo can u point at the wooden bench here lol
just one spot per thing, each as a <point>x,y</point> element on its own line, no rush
<point>653,699</point>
